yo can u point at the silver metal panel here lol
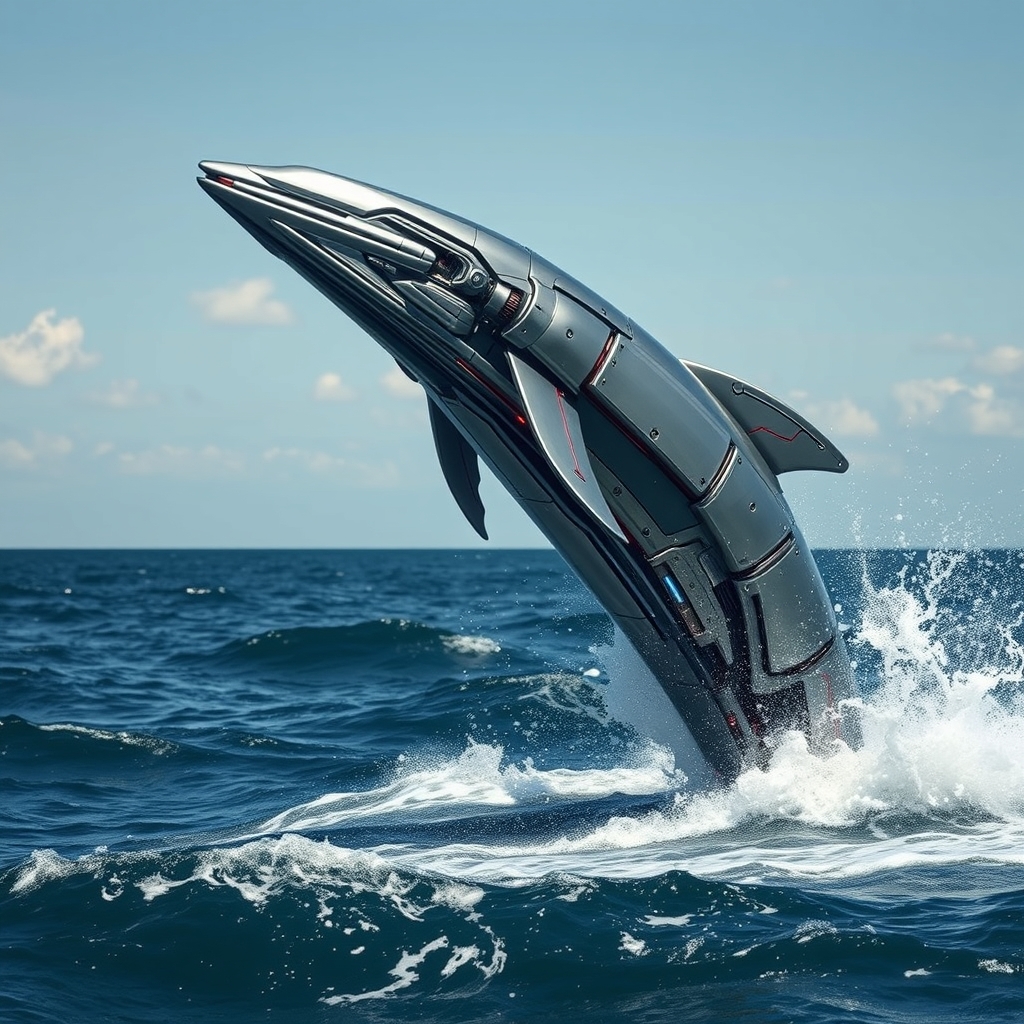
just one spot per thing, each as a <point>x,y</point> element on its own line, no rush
<point>360,199</point>
<point>636,519</point>
<point>745,516</point>
<point>450,311</point>
<point>557,429</point>
<point>535,316</point>
<point>572,342</point>
<point>667,410</point>
<point>354,235</point>
<point>795,612</point>
<point>583,295</point>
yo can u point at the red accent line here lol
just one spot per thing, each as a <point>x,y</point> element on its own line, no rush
<point>481,379</point>
<point>609,345</point>
<point>568,437</point>
<point>224,181</point>
<point>781,437</point>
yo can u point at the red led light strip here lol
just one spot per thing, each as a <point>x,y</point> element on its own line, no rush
<point>505,400</point>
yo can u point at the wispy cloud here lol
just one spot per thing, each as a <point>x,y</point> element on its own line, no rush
<point>36,355</point>
<point>248,302</point>
<point>329,387</point>
<point>953,404</point>
<point>924,398</point>
<point>993,416</point>
<point>177,460</point>
<point>14,454</point>
<point>1000,361</point>
<point>842,417</point>
<point>398,384</point>
<point>124,394</point>
<point>360,474</point>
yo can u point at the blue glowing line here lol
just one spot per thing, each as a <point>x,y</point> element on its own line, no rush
<point>673,588</point>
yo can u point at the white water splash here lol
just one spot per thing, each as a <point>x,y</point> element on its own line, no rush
<point>476,780</point>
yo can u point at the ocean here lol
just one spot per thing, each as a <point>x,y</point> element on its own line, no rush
<point>330,786</point>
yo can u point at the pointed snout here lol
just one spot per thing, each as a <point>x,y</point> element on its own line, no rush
<point>225,173</point>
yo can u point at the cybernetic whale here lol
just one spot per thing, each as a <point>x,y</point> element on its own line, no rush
<point>656,479</point>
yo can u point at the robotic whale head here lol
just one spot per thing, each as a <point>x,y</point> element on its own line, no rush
<point>656,479</point>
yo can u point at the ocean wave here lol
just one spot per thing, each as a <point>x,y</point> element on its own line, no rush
<point>477,779</point>
<point>62,739</point>
<point>379,643</point>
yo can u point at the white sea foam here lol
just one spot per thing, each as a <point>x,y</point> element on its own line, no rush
<point>48,866</point>
<point>477,779</point>
<point>997,967</point>
<point>632,945</point>
<point>478,645</point>
<point>127,739</point>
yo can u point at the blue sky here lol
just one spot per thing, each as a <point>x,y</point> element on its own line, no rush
<point>824,198</point>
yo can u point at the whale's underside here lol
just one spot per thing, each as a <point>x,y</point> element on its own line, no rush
<point>656,479</point>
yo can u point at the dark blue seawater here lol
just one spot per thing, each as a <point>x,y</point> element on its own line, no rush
<point>375,785</point>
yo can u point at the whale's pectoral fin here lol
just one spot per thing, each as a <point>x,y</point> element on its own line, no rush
<point>784,438</point>
<point>460,466</point>
<point>556,426</point>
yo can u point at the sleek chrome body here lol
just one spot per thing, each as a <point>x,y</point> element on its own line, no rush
<point>657,480</point>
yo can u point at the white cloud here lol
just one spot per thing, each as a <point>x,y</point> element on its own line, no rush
<point>925,398</point>
<point>125,394</point>
<point>16,455</point>
<point>843,418</point>
<point>176,460</point>
<point>398,384</point>
<point>1001,361</point>
<point>247,302</point>
<point>361,474</point>
<point>975,408</point>
<point>329,387</point>
<point>43,349</point>
<point>992,416</point>
<point>103,448</point>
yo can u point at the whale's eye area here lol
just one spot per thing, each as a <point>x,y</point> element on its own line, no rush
<point>447,266</point>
